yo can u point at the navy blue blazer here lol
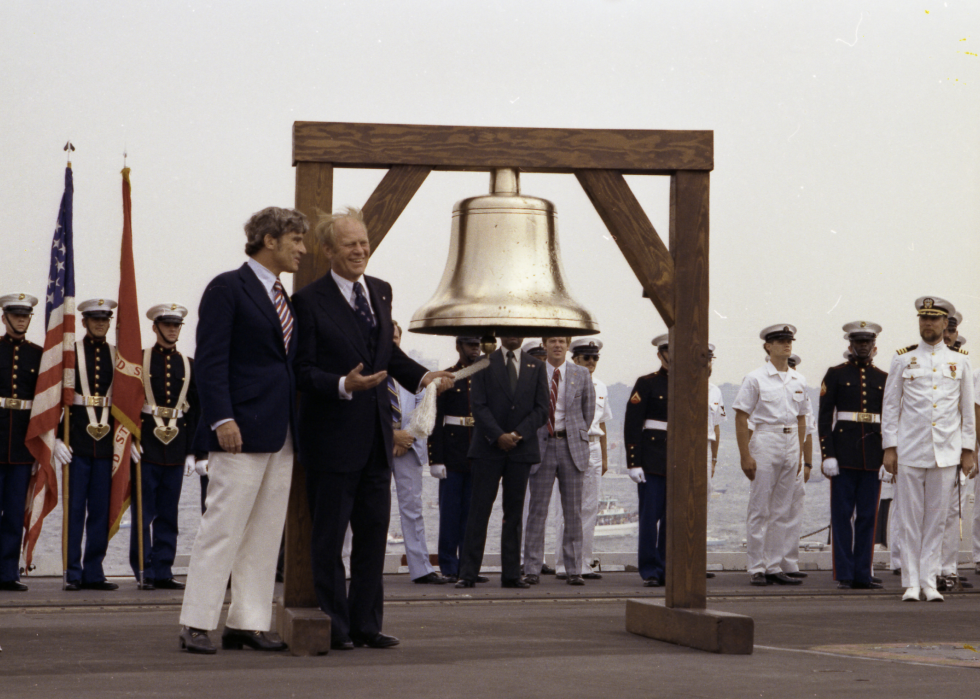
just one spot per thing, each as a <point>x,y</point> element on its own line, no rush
<point>335,434</point>
<point>497,411</point>
<point>241,365</point>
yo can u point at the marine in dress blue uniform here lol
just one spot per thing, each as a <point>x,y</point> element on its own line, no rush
<point>448,446</point>
<point>849,425</point>
<point>20,361</point>
<point>170,417</point>
<point>90,442</point>
<point>645,431</point>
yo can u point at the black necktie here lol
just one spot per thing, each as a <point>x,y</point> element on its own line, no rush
<point>362,310</point>
<point>512,371</point>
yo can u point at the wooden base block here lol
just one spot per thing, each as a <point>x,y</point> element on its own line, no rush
<point>306,630</point>
<point>717,632</point>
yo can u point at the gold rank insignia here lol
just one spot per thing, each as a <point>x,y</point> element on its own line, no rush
<point>635,398</point>
<point>823,388</point>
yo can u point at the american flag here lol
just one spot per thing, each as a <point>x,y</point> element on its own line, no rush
<point>56,382</point>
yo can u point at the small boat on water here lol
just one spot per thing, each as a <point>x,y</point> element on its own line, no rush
<point>613,520</point>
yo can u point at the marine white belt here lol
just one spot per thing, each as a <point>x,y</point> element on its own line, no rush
<point>785,429</point>
<point>458,421</point>
<point>92,401</point>
<point>161,411</point>
<point>654,425</point>
<point>16,403</point>
<point>860,417</point>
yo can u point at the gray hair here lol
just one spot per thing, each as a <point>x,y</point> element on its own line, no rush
<point>327,224</point>
<point>273,221</point>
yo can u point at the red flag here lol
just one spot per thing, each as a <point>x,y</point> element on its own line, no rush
<point>127,379</point>
<point>56,380</point>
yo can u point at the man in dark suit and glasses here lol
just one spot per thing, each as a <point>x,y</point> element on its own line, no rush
<point>345,354</point>
<point>246,341</point>
<point>510,402</point>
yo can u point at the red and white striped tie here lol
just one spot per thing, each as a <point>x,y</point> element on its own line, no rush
<point>285,315</point>
<point>555,378</point>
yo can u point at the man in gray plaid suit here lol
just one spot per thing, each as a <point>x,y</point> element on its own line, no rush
<point>564,441</point>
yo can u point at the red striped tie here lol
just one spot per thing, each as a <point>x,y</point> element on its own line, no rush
<point>555,378</point>
<point>285,315</point>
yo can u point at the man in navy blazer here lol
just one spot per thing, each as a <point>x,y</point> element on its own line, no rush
<point>510,402</point>
<point>345,355</point>
<point>246,341</point>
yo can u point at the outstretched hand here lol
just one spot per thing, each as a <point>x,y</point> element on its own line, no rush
<point>356,381</point>
<point>445,380</point>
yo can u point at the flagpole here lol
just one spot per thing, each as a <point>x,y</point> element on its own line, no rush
<point>139,510</point>
<point>64,506</point>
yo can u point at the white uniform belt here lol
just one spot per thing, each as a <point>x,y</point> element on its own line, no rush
<point>654,425</point>
<point>458,421</point>
<point>785,429</point>
<point>92,401</point>
<point>161,411</point>
<point>860,417</point>
<point>16,403</point>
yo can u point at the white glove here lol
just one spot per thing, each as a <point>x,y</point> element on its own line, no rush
<point>61,454</point>
<point>134,452</point>
<point>884,476</point>
<point>201,466</point>
<point>437,471</point>
<point>830,468</point>
<point>637,475</point>
<point>189,463</point>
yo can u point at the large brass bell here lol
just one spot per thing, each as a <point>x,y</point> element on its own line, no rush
<point>504,275</point>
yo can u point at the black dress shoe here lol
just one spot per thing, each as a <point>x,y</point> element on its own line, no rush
<point>574,580</point>
<point>463,582</point>
<point>796,574</point>
<point>341,644</point>
<point>379,641</point>
<point>101,585</point>
<point>896,571</point>
<point>518,583</point>
<point>72,586</point>
<point>547,569</point>
<point>452,578</point>
<point>13,586</point>
<point>870,585</point>
<point>877,580</point>
<point>782,579</point>
<point>168,584</point>
<point>845,584</point>
<point>759,580</point>
<point>592,576</point>
<point>709,575</point>
<point>196,641</point>
<point>532,579</point>
<point>432,578</point>
<point>481,578</point>
<point>145,585</point>
<point>235,639</point>
<point>653,582</point>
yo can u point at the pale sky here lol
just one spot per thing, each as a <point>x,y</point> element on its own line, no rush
<point>846,146</point>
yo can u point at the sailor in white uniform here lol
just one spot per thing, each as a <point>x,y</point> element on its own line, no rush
<point>790,562</point>
<point>928,428</point>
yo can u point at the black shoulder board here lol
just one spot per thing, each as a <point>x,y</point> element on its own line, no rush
<point>907,349</point>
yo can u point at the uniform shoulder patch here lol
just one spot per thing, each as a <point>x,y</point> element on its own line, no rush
<point>962,351</point>
<point>907,349</point>
<point>823,388</point>
<point>635,398</point>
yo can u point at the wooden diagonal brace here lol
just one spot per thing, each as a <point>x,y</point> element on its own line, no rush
<point>390,198</point>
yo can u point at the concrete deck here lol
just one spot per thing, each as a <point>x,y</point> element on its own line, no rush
<point>550,640</point>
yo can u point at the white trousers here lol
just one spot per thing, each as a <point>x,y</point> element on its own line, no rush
<point>408,485</point>
<point>239,535</point>
<point>923,499</point>
<point>958,495</point>
<point>790,562</point>
<point>976,518</point>
<point>777,457</point>
<point>894,534</point>
<point>590,511</point>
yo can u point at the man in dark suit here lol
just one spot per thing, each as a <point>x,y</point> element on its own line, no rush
<point>345,354</point>
<point>246,341</point>
<point>510,402</point>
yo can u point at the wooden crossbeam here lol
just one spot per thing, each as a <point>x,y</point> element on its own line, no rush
<point>482,147</point>
<point>635,235</point>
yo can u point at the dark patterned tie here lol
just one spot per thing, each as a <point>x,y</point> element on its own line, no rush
<point>396,408</point>
<point>555,378</point>
<point>512,371</point>
<point>362,310</point>
<point>282,310</point>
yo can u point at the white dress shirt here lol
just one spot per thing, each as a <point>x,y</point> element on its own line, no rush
<point>928,407</point>
<point>772,397</point>
<point>560,399</point>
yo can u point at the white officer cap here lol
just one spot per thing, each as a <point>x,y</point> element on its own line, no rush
<point>660,341</point>
<point>955,319</point>
<point>97,308</point>
<point>18,304</point>
<point>589,346</point>
<point>847,355</point>
<point>861,330</point>
<point>960,341</point>
<point>934,306</point>
<point>167,313</point>
<point>534,348</point>
<point>780,331</point>
<point>794,360</point>
<point>711,351</point>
